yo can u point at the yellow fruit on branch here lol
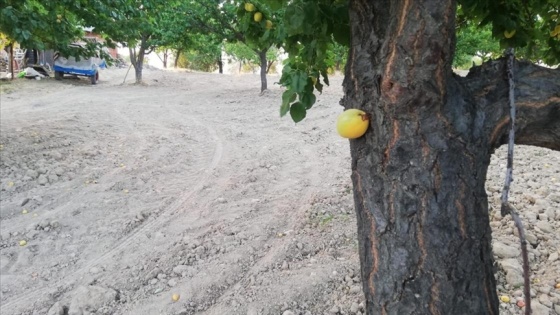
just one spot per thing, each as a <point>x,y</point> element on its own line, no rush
<point>257,17</point>
<point>314,80</point>
<point>556,31</point>
<point>509,34</point>
<point>268,24</point>
<point>352,123</point>
<point>249,7</point>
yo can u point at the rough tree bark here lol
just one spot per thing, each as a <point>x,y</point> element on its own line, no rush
<point>419,171</point>
<point>220,65</point>
<point>177,55</point>
<point>137,59</point>
<point>165,57</point>
<point>263,64</point>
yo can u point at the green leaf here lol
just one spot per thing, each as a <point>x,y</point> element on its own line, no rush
<point>297,111</point>
<point>325,77</point>
<point>284,109</point>
<point>308,99</point>
<point>288,96</point>
<point>294,18</point>
<point>319,86</point>
<point>341,34</point>
<point>299,81</point>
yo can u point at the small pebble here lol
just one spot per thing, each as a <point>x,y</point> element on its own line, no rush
<point>504,298</point>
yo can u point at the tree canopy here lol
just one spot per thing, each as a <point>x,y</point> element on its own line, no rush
<point>312,28</point>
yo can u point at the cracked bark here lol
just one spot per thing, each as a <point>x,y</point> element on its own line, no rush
<point>419,171</point>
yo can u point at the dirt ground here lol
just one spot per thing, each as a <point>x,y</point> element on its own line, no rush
<point>189,195</point>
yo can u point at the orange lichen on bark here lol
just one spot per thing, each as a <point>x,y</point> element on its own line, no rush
<point>386,85</point>
<point>372,237</point>
<point>396,133</point>
<point>434,298</point>
<point>461,211</point>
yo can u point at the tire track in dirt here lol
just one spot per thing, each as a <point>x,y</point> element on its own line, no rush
<point>134,237</point>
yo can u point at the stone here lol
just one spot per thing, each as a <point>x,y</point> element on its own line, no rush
<point>88,298</point>
<point>42,180</point>
<point>544,226</point>
<point>553,257</point>
<point>505,251</point>
<point>544,299</point>
<point>539,309</point>
<point>334,310</point>
<point>59,171</point>
<point>554,197</point>
<point>288,312</point>
<point>354,308</point>
<point>56,309</point>
<point>52,178</point>
<point>32,173</point>
<point>180,269</point>
<point>532,239</point>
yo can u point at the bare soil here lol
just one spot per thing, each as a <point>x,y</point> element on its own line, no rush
<point>191,187</point>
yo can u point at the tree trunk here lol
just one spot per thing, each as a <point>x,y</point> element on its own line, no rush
<point>263,64</point>
<point>419,171</point>
<point>165,55</point>
<point>269,65</point>
<point>178,53</point>
<point>12,61</point>
<point>220,65</point>
<point>137,60</point>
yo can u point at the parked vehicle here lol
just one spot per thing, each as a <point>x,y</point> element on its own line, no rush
<point>88,67</point>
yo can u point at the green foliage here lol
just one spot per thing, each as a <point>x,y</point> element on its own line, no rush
<point>241,52</point>
<point>315,34</point>
<point>474,41</point>
<point>45,25</point>
<point>530,24</point>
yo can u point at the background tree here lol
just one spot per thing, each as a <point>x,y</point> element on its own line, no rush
<point>243,54</point>
<point>234,23</point>
<point>48,25</point>
<point>139,24</point>
<point>475,41</point>
<point>418,172</point>
<point>204,53</point>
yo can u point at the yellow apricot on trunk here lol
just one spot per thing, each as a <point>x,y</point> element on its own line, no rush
<point>352,123</point>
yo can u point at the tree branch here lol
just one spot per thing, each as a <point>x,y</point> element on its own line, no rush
<point>537,96</point>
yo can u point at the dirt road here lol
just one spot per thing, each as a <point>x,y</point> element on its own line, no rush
<point>190,185</point>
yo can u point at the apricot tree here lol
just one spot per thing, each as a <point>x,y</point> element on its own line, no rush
<point>419,171</point>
